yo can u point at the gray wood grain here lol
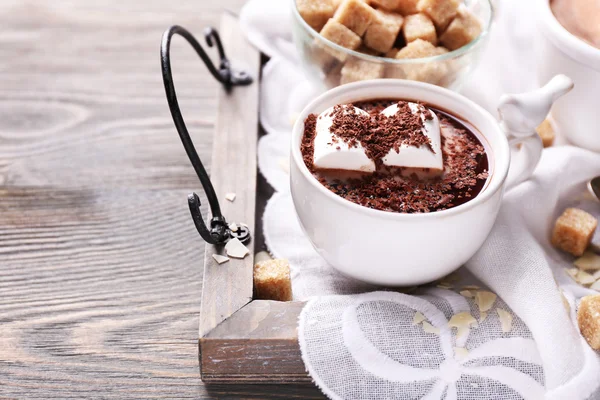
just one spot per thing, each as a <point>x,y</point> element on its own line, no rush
<point>100,265</point>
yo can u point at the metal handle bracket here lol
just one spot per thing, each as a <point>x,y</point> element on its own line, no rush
<point>219,232</point>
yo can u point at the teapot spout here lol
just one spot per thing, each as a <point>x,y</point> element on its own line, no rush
<point>522,113</point>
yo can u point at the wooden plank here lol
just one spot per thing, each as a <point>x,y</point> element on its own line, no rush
<point>228,287</point>
<point>99,259</point>
<point>257,344</point>
<point>100,263</point>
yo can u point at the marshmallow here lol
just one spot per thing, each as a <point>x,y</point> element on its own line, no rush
<point>332,152</point>
<point>417,157</point>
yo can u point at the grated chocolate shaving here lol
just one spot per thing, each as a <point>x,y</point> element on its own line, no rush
<point>465,170</point>
<point>307,147</point>
<point>377,133</point>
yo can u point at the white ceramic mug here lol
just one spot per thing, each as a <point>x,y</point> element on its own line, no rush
<point>397,249</point>
<point>577,115</point>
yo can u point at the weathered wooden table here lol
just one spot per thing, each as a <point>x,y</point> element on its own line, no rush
<point>100,264</point>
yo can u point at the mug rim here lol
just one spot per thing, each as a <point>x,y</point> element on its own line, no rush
<point>501,156</point>
<point>571,45</point>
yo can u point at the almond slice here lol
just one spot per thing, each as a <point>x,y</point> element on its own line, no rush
<point>573,273</point>
<point>466,293</point>
<point>485,300</point>
<point>447,287</point>
<point>461,319</point>
<point>584,278</point>
<point>220,259</point>
<point>505,319</point>
<point>588,261</point>
<point>230,196</point>
<point>427,327</point>
<point>482,317</point>
<point>418,318</point>
<point>596,286</point>
<point>461,333</point>
<point>471,287</point>
<point>596,275</point>
<point>236,249</point>
<point>233,227</point>
<point>461,353</point>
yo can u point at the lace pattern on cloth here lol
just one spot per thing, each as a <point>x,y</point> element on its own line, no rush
<point>375,335</point>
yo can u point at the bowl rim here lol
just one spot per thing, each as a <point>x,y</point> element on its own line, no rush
<point>501,155</point>
<point>442,57</point>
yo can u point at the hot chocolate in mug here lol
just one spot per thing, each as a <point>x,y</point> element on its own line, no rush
<point>396,249</point>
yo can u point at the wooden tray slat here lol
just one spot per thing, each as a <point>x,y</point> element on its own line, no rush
<point>257,344</point>
<point>228,287</point>
<point>243,340</point>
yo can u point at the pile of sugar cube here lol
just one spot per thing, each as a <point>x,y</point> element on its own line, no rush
<point>573,232</point>
<point>400,29</point>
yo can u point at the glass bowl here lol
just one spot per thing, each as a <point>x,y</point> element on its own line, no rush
<point>447,70</point>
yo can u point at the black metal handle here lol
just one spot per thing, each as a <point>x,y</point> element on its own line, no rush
<point>219,232</point>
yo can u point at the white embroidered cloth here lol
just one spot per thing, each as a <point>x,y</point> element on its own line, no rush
<point>361,343</point>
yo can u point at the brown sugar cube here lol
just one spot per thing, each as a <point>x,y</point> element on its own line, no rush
<point>390,5</point>
<point>368,51</point>
<point>431,72</point>
<point>454,69</point>
<point>441,12</point>
<point>407,7</point>
<point>359,70</point>
<point>395,71</point>
<point>337,3</point>
<point>392,53</point>
<point>546,132</point>
<point>333,77</point>
<point>316,12</point>
<point>272,280</point>
<point>341,35</point>
<point>419,26</point>
<point>325,57</point>
<point>322,56</point>
<point>440,50</point>
<point>392,16</point>
<point>463,29</point>
<point>573,231</point>
<point>383,31</point>
<point>356,15</point>
<point>417,49</point>
<point>588,319</point>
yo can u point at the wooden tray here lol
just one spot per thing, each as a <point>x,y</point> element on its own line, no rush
<point>243,340</point>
